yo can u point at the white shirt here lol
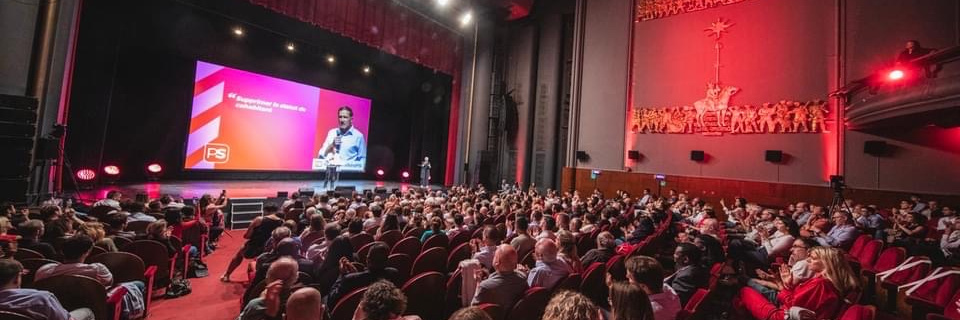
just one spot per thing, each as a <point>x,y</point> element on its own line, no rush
<point>666,304</point>
<point>945,221</point>
<point>353,149</point>
<point>778,243</point>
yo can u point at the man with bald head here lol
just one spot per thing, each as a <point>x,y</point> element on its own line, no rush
<point>304,304</point>
<point>505,286</point>
<point>281,276</point>
<point>549,270</point>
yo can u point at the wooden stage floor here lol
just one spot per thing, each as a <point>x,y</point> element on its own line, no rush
<point>235,188</point>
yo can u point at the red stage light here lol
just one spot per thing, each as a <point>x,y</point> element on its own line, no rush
<point>111,170</point>
<point>154,168</point>
<point>86,174</point>
<point>895,74</point>
<point>380,173</point>
<point>405,174</point>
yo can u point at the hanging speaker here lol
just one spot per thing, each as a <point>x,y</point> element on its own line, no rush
<point>774,156</point>
<point>697,155</point>
<point>633,155</point>
<point>875,147</point>
<point>582,156</point>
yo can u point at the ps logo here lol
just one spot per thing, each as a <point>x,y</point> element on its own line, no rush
<point>216,153</point>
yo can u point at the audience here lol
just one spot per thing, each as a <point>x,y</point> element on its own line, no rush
<point>382,301</point>
<point>647,274</point>
<point>690,275</point>
<point>304,304</point>
<point>35,304</point>
<point>569,305</point>
<point>30,233</point>
<point>257,235</point>
<point>629,302</point>
<point>351,279</point>
<point>281,277</point>
<point>548,270</point>
<point>485,253</point>
<point>606,248</point>
<point>505,286</point>
<point>75,251</point>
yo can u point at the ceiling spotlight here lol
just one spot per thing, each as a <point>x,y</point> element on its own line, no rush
<point>366,69</point>
<point>442,3</point>
<point>238,31</point>
<point>291,47</point>
<point>466,18</point>
<point>331,58</point>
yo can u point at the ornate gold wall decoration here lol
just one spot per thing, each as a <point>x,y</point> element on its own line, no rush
<point>656,9</point>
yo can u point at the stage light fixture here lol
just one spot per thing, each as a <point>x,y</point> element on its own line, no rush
<point>405,175</point>
<point>238,31</point>
<point>331,58</point>
<point>154,171</point>
<point>380,173</point>
<point>111,170</point>
<point>895,74</point>
<point>291,47</point>
<point>366,69</point>
<point>443,3</point>
<point>86,174</point>
<point>466,18</point>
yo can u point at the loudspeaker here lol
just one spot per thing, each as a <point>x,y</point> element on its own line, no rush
<point>306,192</point>
<point>380,190</point>
<point>331,194</point>
<point>875,147</point>
<point>774,155</point>
<point>633,155</point>
<point>582,156</point>
<point>697,155</point>
<point>283,194</point>
<point>47,149</point>
<point>346,191</point>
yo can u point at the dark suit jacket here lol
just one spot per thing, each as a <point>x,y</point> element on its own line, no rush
<point>43,248</point>
<point>347,283</point>
<point>686,281</point>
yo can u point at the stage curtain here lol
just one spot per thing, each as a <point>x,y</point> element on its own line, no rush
<point>381,24</point>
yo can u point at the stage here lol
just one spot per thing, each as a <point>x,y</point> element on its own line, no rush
<point>235,188</point>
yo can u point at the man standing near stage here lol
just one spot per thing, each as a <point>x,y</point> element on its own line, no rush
<point>425,172</point>
<point>343,147</point>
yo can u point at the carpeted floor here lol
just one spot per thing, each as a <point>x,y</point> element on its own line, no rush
<point>211,299</point>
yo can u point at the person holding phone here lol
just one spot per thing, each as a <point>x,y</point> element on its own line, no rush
<point>213,212</point>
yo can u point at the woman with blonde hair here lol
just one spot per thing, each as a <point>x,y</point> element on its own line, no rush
<point>569,305</point>
<point>95,231</point>
<point>821,296</point>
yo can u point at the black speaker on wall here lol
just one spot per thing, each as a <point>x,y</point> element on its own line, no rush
<point>875,147</point>
<point>582,156</point>
<point>773,156</point>
<point>697,155</point>
<point>633,155</point>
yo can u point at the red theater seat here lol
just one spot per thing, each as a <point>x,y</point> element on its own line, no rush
<point>452,295</point>
<point>889,288</point>
<point>460,253</point>
<point>357,241</point>
<point>859,312</point>
<point>127,267</point>
<point>933,295</point>
<point>493,310</point>
<point>434,259</point>
<point>363,252</point>
<point>571,282</point>
<point>867,256</point>
<point>593,284</point>
<point>461,238</point>
<point>424,295</point>
<point>436,241</point>
<point>693,305</point>
<point>531,305</point>
<point>349,303</point>
<point>409,246</point>
<point>390,237</point>
<point>950,312</point>
<point>413,232</point>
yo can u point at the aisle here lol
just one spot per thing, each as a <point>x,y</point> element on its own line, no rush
<point>211,299</point>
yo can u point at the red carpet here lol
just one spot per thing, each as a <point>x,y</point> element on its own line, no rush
<point>211,299</point>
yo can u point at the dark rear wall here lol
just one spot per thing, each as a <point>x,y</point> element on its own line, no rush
<point>133,84</point>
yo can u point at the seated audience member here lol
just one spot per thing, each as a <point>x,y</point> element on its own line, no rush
<point>112,200</point>
<point>257,235</point>
<point>115,224</point>
<point>770,284</point>
<point>629,302</point>
<point>910,231</point>
<point>313,232</point>
<point>281,276</point>
<point>643,228</point>
<point>820,297</point>
<point>869,219</point>
<point>841,235</point>
<point>569,305</point>
<point>286,248</point>
<point>712,248</point>
<point>383,301</point>
<point>166,201</point>
<point>436,228</point>
<point>304,304</point>
<point>568,250</point>
<point>137,212</point>
<point>318,250</point>
<point>376,217</point>
<point>485,253</point>
<point>770,245</point>
<point>690,275</point>
<point>950,243</point>
<point>505,286</point>
<point>75,251</point>
<point>157,231</point>
<point>95,231</point>
<point>328,271</point>
<point>456,226</point>
<point>523,242</point>
<point>470,313</point>
<point>606,248</point>
<point>947,219</point>
<point>548,270</point>
<point>54,228</point>
<point>647,274</point>
<point>549,229</point>
<point>30,233</point>
<point>350,279</point>
<point>35,304</point>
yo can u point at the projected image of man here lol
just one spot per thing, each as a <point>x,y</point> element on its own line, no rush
<point>344,145</point>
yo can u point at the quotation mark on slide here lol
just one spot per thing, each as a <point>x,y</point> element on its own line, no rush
<point>216,153</point>
<point>231,95</point>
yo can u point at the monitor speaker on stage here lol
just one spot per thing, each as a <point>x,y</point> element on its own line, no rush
<point>380,190</point>
<point>346,191</point>
<point>283,194</point>
<point>697,155</point>
<point>633,155</point>
<point>306,192</point>
<point>583,156</point>
<point>775,156</point>
<point>331,193</point>
<point>395,190</point>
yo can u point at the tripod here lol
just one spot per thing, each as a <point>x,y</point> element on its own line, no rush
<point>837,184</point>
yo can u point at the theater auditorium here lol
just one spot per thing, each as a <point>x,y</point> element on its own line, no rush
<point>480,159</point>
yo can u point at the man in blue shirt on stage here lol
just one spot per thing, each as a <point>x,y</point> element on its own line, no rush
<point>344,146</point>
